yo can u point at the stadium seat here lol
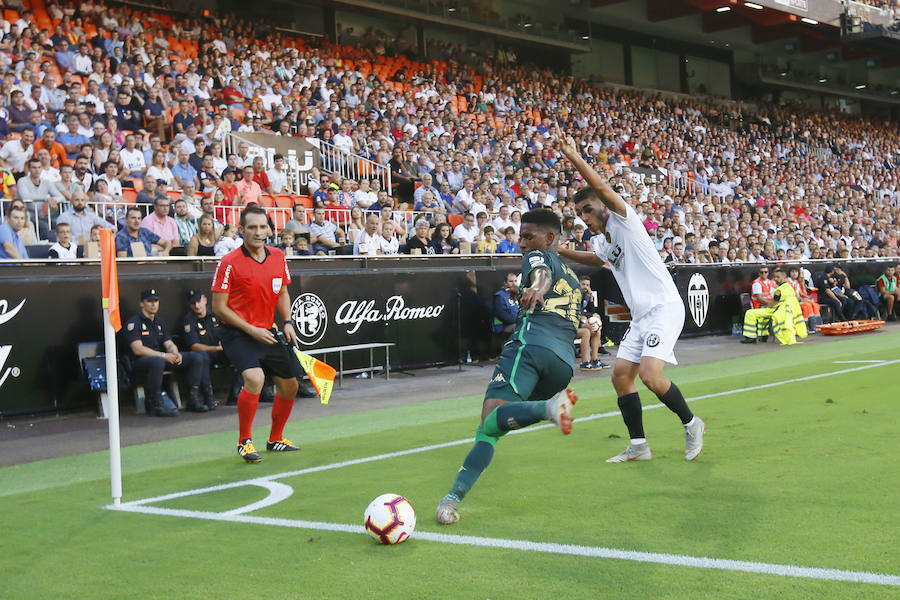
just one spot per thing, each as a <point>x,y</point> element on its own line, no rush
<point>38,251</point>
<point>284,201</point>
<point>305,201</point>
<point>454,220</point>
<point>130,195</point>
<point>266,200</point>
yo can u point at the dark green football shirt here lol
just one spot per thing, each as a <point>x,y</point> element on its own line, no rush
<point>553,326</point>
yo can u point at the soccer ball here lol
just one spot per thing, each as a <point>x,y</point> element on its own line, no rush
<point>390,519</point>
<point>595,323</point>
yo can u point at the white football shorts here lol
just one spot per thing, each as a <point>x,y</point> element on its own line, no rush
<point>654,334</point>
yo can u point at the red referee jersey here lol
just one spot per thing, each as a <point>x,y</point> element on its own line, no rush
<point>252,287</point>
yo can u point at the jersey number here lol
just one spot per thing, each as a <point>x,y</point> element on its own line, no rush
<point>567,304</point>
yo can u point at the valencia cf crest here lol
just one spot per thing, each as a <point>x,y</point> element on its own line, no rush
<point>698,298</point>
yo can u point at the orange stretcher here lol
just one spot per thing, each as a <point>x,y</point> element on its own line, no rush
<point>848,327</point>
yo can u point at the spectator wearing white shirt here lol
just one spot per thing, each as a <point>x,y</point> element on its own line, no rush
<point>388,243</point>
<point>342,141</point>
<point>502,221</point>
<point>48,172</point>
<point>467,231</point>
<point>110,176</point>
<point>132,158</point>
<point>364,196</point>
<point>277,175</point>
<point>16,153</point>
<point>464,198</point>
<point>367,241</point>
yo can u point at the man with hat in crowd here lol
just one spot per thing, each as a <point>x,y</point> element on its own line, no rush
<point>150,346</point>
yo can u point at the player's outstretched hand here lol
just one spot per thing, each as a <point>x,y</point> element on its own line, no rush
<point>566,143</point>
<point>530,299</point>
<point>263,335</point>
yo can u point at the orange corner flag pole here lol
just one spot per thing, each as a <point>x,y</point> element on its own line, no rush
<point>112,322</point>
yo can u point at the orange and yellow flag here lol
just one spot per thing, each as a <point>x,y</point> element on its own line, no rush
<point>110,276</point>
<point>320,374</point>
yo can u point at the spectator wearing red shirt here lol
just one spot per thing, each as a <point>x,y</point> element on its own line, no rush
<point>232,97</point>
<point>229,188</point>
<point>260,176</point>
<point>249,284</point>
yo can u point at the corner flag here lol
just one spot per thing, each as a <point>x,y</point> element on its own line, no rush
<point>320,374</point>
<point>110,276</point>
<point>112,322</point>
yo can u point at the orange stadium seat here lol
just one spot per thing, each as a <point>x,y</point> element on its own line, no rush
<point>284,201</point>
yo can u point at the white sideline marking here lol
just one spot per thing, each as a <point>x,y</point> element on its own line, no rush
<point>851,362</point>
<point>277,493</point>
<point>679,560</point>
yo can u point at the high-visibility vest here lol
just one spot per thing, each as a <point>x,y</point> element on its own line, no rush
<point>787,321</point>
<point>768,286</point>
<point>890,285</point>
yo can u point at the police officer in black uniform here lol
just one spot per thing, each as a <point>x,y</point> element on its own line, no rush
<point>200,336</point>
<point>152,350</point>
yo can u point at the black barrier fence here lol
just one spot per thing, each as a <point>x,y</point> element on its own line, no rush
<point>435,309</point>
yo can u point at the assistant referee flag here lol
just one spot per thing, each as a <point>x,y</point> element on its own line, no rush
<point>110,276</point>
<point>320,374</point>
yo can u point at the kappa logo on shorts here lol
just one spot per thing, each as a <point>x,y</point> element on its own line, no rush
<point>653,340</point>
<point>310,317</point>
<point>498,378</point>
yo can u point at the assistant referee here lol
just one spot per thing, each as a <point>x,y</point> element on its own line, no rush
<point>249,284</point>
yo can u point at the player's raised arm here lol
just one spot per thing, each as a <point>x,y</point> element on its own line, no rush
<point>597,182</point>
<point>580,256</point>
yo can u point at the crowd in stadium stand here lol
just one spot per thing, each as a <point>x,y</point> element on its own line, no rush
<point>101,101</point>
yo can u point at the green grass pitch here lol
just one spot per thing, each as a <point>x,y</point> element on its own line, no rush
<point>801,473</point>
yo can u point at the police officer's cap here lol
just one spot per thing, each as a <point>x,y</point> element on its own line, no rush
<point>149,295</point>
<point>194,295</point>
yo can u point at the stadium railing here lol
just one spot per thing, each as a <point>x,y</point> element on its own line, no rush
<point>114,212</point>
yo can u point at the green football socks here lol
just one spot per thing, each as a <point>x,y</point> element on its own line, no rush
<point>476,462</point>
<point>507,417</point>
<point>514,415</point>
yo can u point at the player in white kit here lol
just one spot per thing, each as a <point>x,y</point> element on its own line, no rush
<point>657,313</point>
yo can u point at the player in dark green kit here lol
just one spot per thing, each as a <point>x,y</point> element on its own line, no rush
<point>538,360</point>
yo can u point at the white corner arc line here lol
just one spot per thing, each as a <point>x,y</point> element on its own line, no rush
<point>678,560</point>
<point>277,493</point>
<point>236,515</point>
